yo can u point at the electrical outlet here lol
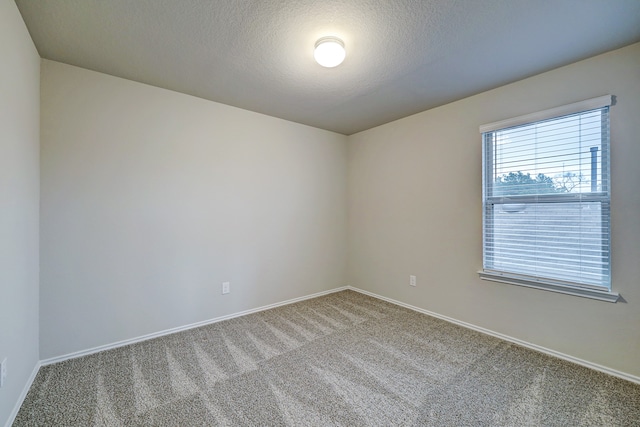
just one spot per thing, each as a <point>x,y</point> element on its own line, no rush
<point>3,372</point>
<point>412,280</point>
<point>226,287</point>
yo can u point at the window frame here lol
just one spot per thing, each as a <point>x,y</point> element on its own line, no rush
<point>489,201</point>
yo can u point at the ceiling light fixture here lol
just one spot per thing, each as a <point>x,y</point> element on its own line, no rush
<point>329,52</point>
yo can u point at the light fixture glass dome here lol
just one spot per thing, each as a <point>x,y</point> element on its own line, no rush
<point>329,52</point>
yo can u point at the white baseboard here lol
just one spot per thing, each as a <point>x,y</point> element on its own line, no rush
<point>517,341</point>
<point>23,395</point>
<point>585,363</point>
<point>129,341</point>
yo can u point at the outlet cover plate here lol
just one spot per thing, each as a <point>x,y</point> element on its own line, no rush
<point>3,371</point>
<point>226,288</point>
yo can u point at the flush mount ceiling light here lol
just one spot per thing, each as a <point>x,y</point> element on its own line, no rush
<point>329,52</point>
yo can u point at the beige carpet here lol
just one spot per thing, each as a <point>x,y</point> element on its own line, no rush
<point>343,359</point>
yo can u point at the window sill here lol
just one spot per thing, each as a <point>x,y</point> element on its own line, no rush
<point>607,296</point>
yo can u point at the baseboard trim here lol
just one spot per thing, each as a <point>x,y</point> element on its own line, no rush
<point>550,352</point>
<point>23,395</point>
<point>146,337</point>
<point>582,362</point>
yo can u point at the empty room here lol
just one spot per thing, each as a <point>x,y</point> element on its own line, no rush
<point>319,213</point>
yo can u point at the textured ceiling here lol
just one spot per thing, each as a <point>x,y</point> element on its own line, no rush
<point>403,56</point>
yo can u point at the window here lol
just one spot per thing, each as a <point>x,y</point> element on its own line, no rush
<point>546,200</point>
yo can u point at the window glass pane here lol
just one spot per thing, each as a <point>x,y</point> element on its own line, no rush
<point>565,241</point>
<point>562,155</point>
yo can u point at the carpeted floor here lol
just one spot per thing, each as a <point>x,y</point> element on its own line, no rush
<point>343,359</point>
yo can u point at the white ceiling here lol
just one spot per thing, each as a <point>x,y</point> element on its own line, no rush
<point>403,56</point>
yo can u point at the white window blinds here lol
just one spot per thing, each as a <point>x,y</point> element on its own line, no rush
<point>546,197</point>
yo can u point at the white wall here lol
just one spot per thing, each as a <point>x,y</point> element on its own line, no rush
<point>19,199</point>
<point>415,207</point>
<point>151,199</point>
